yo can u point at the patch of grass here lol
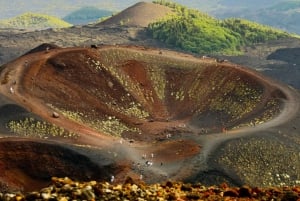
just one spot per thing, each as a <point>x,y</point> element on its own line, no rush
<point>158,78</point>
<point>178,95</point>
<point>271,109</point>
<point>134,110</point>
<point>109,125</point>
<point>236,100</point>
<point>30,127</point>
<point>112,126</point>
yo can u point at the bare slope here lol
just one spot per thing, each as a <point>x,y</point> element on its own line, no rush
<point>140,14</point>
<point>33,21</point>
<point>131,86</point>
<point>29,165</point>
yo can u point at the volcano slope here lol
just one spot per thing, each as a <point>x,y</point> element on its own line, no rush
<point>147,114</point>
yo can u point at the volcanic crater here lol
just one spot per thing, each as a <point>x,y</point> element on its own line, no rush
<point>148,111</point>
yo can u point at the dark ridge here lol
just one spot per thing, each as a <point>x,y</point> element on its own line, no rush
<point>290,55</point>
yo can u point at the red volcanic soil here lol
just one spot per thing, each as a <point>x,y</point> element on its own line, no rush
<point>28,165</point>
<point>133,89</point>
<point>126,102</point>
<point>140,14</point>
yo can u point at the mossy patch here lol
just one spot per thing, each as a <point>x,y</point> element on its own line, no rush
<point>30,127</point>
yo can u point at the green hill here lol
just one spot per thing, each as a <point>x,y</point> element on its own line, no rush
<point>197,32</point>
<point>87,15</point>
<point>34,21</point>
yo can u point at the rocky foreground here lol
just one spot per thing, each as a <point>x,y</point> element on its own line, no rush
<point>64,189</point>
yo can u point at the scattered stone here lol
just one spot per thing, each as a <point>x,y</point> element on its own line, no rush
<point>63,189</point>
<point>55,115</point>
<point>94,46</point>
<point>231,193</point>
<point>11,89</point>
<point>87,193</point>
<point>110,84</point>
<point>245,191</point>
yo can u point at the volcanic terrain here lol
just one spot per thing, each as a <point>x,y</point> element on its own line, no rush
<point>140,14</point>
<point>114,112</point>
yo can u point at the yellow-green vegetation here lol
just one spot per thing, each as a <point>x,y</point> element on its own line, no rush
<point>109,65</point>
<point>94,64</point>
<point>196,89</point>
<point>34,20</point>
<point>197,32</point>
<point>109,125</point>
<point>74,116</point>
<point>271,109</point>
<point>134,110</point>
<point>31,127</point>
<point>156,72</point>
<point>158,78</point>
<point>261,161</point>
<point>112,126</point>
<point>251,32</point>
<point>179,95</point>
<point>236,100</point>
<point>111,59</point>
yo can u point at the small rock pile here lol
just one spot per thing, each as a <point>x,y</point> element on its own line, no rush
<point>63,189</point>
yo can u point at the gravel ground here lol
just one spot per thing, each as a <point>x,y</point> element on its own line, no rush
<point>261,161</point>
<point>63,189</point>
